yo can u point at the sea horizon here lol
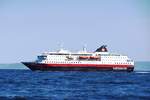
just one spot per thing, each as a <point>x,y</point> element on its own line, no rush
<point>139,66</point>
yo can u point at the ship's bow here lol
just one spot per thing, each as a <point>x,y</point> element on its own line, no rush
<point>30,65</point>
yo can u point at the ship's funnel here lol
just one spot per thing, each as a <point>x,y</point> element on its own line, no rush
<point>102,49</point>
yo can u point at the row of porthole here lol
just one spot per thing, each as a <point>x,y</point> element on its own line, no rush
<point>60,62</point>
<point>112,58</point>
<point>115,63</point>
<point>122,63</point>
<point>57,56</point>
<point>55,59</point>
<point>79,62</point>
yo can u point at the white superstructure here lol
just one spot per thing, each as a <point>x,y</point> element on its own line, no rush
<point>63,60</point>
<point>83,57</point>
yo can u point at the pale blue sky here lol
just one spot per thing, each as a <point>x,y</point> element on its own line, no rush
<point>30,27</point>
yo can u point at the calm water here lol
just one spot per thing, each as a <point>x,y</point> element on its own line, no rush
<point>28,85</point>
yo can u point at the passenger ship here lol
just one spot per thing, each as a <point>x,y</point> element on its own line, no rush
<point>99,60</point>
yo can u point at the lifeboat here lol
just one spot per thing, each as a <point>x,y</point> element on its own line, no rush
<point>94,57</point>
<point>84,57</point>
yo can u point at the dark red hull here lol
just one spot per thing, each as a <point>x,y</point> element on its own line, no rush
<point>77,67</point>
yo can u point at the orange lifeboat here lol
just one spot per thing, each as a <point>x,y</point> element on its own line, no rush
<point>84,57</point>
<point>94,57</point>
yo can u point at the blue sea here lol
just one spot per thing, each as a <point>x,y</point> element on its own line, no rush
<point>19,83</point>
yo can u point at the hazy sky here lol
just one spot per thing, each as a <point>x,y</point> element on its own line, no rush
<point>30,27</point>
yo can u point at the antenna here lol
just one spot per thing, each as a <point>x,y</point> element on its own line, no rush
<point>60,45</point>
<point>84,47</point>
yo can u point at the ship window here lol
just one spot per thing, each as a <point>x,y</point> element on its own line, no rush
<point>42,57</point>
